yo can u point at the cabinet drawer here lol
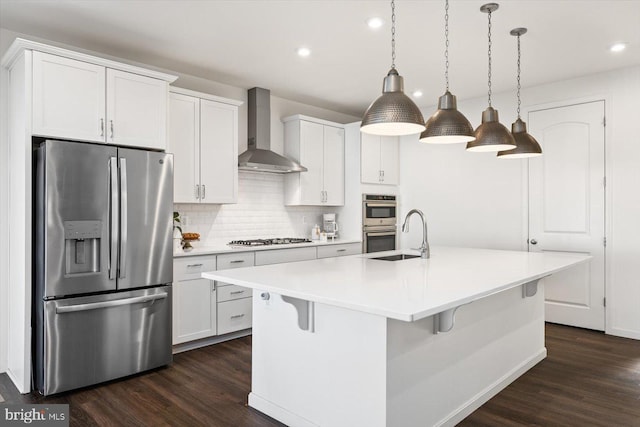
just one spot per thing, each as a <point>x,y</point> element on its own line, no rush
<point>339,250</point>
<point>234,315</point>
<point>242,259</point>
<point>186,268</point>
<point>228,292</point>
<point>285,255</point>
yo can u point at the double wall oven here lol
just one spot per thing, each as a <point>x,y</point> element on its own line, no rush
<point>379,223</point>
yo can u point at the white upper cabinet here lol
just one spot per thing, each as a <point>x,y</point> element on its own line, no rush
<point>80,100</point>
<point>184,143</point>
<point>203,137</point>
<point>68,98</point>
<point>317,145</point>
<point>379,159</point>
<point>136,110</point>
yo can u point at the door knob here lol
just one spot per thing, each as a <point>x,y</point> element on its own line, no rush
<point>533,241</point>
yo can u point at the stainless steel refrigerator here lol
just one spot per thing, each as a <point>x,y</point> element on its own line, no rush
<point>103,263</point>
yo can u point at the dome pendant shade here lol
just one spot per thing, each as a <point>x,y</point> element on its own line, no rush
<point>393,113</point>
<point>526,145</point>
<point>491,135</point>
<point>447,125</point>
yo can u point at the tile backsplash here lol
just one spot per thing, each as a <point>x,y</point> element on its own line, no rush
<point>259,213</point>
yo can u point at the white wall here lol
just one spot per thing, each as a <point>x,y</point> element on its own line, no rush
<point>477,200</point>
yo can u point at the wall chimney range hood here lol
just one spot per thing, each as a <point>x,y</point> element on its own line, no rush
<point>259,157</point>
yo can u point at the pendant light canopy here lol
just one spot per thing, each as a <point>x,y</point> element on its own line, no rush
<point>491,135</point>
<point>393,113</point>
<point>526,145</point>
<point>447,125</point>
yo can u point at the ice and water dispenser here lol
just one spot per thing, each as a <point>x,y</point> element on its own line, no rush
<point>82,246</point>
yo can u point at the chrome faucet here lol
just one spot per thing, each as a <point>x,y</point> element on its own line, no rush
<point>424,248</point>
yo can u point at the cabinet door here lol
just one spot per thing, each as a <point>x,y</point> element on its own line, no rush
<point>334,166</point>
<point>218,152</point>
<point>68,98</point>
<point>194,310</point>
<point>389,160</point>
<point>136,110</point>
<point>312,157</point>
<point>370,171</point>
<point>184,143</point>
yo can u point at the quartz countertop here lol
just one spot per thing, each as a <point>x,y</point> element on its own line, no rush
<point>224,248</point>
<point>406,290</point>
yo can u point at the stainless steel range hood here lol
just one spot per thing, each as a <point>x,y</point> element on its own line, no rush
<point>259,157</point>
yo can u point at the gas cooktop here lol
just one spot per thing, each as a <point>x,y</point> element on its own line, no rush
<point>266,242</point>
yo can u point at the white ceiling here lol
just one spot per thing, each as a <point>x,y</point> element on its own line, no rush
<point>253,43</point>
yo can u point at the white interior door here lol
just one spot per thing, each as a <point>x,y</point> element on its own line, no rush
<point>567,207</point>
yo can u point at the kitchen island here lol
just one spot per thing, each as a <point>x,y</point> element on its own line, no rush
<point>359,341</point>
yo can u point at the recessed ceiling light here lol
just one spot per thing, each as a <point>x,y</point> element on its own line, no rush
<point>618,47</point>
<point>417,93</point>
<point>304,51</point>
<point>375,23</point>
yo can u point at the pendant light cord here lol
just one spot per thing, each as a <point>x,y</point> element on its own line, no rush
<point>393,34</point>
<point>518,76</point>
<point>446,43</point>
<point>489,92</point>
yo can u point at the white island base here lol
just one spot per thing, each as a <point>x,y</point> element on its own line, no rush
<point>350,341</point>
<point>353,368</point>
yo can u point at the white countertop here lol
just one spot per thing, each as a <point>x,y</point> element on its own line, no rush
<point>406,290</point>
<point>224,248</point>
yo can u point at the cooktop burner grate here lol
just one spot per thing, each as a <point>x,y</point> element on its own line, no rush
<point>266,242</point>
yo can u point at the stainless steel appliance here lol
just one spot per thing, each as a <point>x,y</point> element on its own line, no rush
<point>379,222</point>
<point>330,225</point>
<point>266,242</point>
<point>103,252</point>
<point>378,210</point>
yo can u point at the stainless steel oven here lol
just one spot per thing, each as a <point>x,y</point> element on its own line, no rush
<point>378,210</point>
<point>378,223</point>
<point>378,239</point>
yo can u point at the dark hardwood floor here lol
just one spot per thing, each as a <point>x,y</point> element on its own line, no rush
<point>587,379</point>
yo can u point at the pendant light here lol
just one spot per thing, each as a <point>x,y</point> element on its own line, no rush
<point>393,113</point>
<point>526,145</point>
<point>447,125</point>
<point>491,135</point>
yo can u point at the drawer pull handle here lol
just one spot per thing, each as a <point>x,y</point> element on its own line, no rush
<point>237,316</point>
<point>237,292</point>
<point>194,265</point>
<point>237,261</point>
<point>341,250</point>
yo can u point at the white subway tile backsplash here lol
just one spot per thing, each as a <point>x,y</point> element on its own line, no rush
<point>259,213</point>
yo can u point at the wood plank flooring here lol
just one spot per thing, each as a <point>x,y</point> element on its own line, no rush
<point>588,379</point>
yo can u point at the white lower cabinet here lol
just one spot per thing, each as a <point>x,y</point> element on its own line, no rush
<point>234,315</point>
<point>194,310</point>
<point>345,249</point>
<point>194,299</point>
<point>234,302</point>
<point>203,308</point>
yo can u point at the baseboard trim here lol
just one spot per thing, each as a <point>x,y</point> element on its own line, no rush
<point>481,398</point>
<point>278,412</point>
<point>624,333</point>
<point>192,345</point>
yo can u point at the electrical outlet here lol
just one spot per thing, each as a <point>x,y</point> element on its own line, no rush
<point>304,219</point>
<point>185,220</point>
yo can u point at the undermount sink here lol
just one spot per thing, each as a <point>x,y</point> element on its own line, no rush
<point>399,257</point>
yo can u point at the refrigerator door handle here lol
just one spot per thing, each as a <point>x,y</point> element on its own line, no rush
<point>122,262</point>
<point>113,217</point>
<point>106,304</point>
